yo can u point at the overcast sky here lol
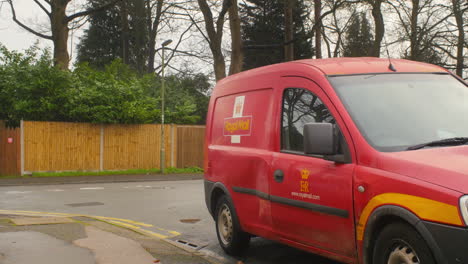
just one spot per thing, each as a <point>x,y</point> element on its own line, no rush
<point>16,38</point>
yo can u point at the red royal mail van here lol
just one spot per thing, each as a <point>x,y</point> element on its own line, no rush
<point>359,160</point>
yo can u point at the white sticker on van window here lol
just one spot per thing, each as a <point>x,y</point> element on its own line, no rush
<point>238,125</point>
<point>238,106</point>
<point>235,139</point>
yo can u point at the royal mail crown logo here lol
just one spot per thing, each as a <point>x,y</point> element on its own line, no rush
<point>305,174</point>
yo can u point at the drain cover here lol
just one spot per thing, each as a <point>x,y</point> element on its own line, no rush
<point>84,204</point>
<point>186,243</point>
<point>190,221</point>
<point>189,242</point>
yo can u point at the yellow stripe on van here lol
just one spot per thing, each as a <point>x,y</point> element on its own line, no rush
<point>424,208</point>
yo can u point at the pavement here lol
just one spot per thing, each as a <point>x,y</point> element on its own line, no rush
<point>28,180</point>
<point>34,238</point>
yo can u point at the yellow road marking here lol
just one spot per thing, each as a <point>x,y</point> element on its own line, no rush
<point>125,220</point>
<point>130,224</point>
<point>154,234</point>
<point>175,233</point>
<point>124,224</point>
<point>424,208</point>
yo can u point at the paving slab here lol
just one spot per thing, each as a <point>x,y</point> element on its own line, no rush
<point>108,243</point>
<point>26,247</point>
<point>41,220</point>
<point>112,249</point>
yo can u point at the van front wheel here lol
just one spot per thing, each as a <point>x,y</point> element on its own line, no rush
<point>230,236</point>
<point>400,244</point>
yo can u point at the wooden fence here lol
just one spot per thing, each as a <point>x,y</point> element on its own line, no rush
<point>10,159</point>
<point>58,146</point>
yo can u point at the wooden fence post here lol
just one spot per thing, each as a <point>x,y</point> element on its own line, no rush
<point>22,147</point>
<point>172,146</point>
<point>101,149</point>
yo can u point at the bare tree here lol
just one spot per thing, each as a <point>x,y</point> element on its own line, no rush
<point>379,26</point>
<point>288,30</point>
<point>237,53</point>
<point>318,28</point>
<point>459,12</point>
<point>153,24</point>
<point>334,31</point>
<point>321,12</point>
<point>422,24</point>
<point>125,32</point>
<point>56,11</point>
<point>214,35</point>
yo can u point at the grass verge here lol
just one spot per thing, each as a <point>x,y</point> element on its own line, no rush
<point>169,170</point>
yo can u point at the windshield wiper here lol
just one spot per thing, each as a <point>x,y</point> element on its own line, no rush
<point>456,141</point>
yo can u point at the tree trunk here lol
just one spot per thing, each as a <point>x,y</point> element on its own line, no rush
<point>458,13</point>
<point>414,50</point>
<point>237,54</point>
<point>318,28</point>
<point>59,28</point>
<point>215,35</point>
<point>140,36</point>
<point>153,27</point>
<point>288,30</point>
<point>125,33</point>
<point>379,27</point>
<point>219,64</point>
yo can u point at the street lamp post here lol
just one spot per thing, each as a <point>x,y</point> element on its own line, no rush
<point>162,157</point>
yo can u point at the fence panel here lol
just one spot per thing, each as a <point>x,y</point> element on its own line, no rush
<point>190,146</point>
<point>57,146</point>
<point>135,146</point>
<point>10,159</point>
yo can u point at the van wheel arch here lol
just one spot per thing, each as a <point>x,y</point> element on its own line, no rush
<point>217,192</point>
<point>390,214</point>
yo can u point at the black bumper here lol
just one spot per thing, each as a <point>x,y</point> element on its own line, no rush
<point>209,186</point>
<point>452,241</point>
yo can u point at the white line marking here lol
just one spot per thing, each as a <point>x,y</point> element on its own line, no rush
<point>17,192</point>
<point>92,188</point>
<point>55,190</point>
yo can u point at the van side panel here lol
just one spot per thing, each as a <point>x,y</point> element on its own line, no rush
<point>251,121</point>
<point>239,153</point>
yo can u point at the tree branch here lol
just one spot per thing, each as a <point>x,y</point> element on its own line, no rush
<point>90,11</point>
<point>13,12</point>
<point>43,8</point>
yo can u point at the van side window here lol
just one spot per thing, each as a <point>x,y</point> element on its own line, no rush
<point>299,108</point>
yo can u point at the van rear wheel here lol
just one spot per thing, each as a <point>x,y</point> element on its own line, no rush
<point>400,244</point>
<point>230,235</point>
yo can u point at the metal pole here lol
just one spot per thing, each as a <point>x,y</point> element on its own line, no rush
<point>162,157</point>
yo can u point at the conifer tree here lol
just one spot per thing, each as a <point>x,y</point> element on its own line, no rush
<point>263,31</point>
<point>359,38</point>
<point>102,41</point>
<point>118,32</point>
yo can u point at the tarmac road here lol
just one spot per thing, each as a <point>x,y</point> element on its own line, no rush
<point>174,210</point>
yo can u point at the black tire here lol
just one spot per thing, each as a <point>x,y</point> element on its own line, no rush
<point>231,238</point>
<point>401,243</point>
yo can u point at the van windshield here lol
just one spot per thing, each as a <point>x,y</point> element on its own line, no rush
<point>396,111</point>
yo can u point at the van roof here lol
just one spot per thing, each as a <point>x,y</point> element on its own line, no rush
<point>335,66</point>
<point>343,66</point>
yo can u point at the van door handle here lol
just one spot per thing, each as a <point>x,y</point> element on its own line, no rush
<point>278,175</point>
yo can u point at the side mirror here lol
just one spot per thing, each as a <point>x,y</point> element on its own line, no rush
<point>320,139</point>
